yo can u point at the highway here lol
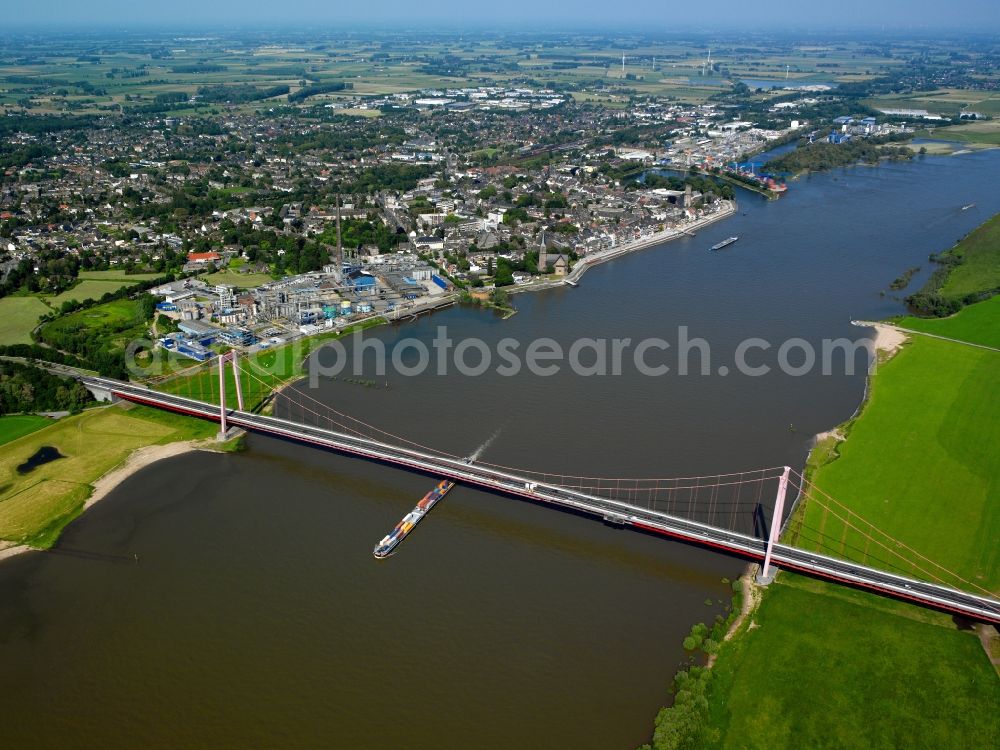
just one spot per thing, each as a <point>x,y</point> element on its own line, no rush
<point>811,563</point>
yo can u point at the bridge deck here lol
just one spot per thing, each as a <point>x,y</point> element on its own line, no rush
<point>811,563</point>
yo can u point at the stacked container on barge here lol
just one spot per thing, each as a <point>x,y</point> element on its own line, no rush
<point>389,542</point>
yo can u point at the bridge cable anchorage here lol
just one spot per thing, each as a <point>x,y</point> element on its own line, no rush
<point>823,499</point>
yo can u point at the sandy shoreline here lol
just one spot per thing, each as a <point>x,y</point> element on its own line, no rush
<point>888,338</point>
<point>136,461</point>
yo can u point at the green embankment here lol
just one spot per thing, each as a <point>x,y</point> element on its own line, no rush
<point>979,261</point>
<point>823,666</point>
<point>970,272</point>
<point>17,426</point>
<point>921,464</point>
<point>977,324</point>
<point>826,667</point>
<point>35,507</point>
<point>981,133</point>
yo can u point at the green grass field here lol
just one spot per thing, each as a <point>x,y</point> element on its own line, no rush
<point>90,289</point>
<point>978,323</point>
<point>980,267</point>
<point>982,133</point>
<point>115,275</point>
<point>35,507</point>
<point>241,280</point>
<point>948,102</point>
<point>18,317</point>
<point>116,312</point>
<point>920,463</point>
<point>17,426</point>
<point>827,667</point>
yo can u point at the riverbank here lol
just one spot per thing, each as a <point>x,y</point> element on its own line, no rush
<point>899,676</point>
<point>99,449</point>
<point>913,460</point>
<point>642,243</point>
<point>279,367</point>
<point>136,461</point>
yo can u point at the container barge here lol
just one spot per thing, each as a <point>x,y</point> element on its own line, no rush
<point>725,243</point>
<point>389,542</point>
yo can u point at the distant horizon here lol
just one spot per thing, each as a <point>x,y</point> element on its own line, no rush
<point>218,28</point>
<point>649,16</point>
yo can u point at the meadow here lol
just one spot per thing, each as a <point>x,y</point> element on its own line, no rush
<point>237,279</point>
<point>979,270</point>
<point>16,426</point>
<point>18,317</point>
<point>35,507</point>
<point>977,324</point>
<point>920,463</point>
<point>93,285</point>
<point>947,102</point>
<point>828,667</point>
<point>114,313</point>
<point>981,133</point>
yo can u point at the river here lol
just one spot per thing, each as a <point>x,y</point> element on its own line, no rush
<point>232,600</point>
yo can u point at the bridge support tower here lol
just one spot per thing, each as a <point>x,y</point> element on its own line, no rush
<point>766,573</point>
<point>225,433</point>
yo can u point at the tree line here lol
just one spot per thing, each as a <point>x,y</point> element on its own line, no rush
<point>26,389</point>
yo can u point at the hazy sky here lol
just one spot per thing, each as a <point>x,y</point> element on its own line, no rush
<point>527,14</point>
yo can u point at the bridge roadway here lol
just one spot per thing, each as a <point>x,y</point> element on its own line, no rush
<point>615,512</point>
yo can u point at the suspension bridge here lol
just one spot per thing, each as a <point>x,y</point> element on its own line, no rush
<point>726,512</point>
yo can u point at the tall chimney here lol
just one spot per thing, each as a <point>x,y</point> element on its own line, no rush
<point>340,247</point>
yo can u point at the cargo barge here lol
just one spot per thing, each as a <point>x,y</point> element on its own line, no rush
<point>389,542</point>
<point>725,243</point>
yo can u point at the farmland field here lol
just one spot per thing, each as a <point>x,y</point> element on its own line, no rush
<point>921,464</point>
<point>894,676</point>
<point>93,289</point>
<point>18,316</point>
<point>668,67</point>
<point>977,324</point>
<point>16,426</point>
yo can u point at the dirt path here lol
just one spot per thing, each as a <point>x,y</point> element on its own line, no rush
<point>990,638</point>
<point>751,598</point>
